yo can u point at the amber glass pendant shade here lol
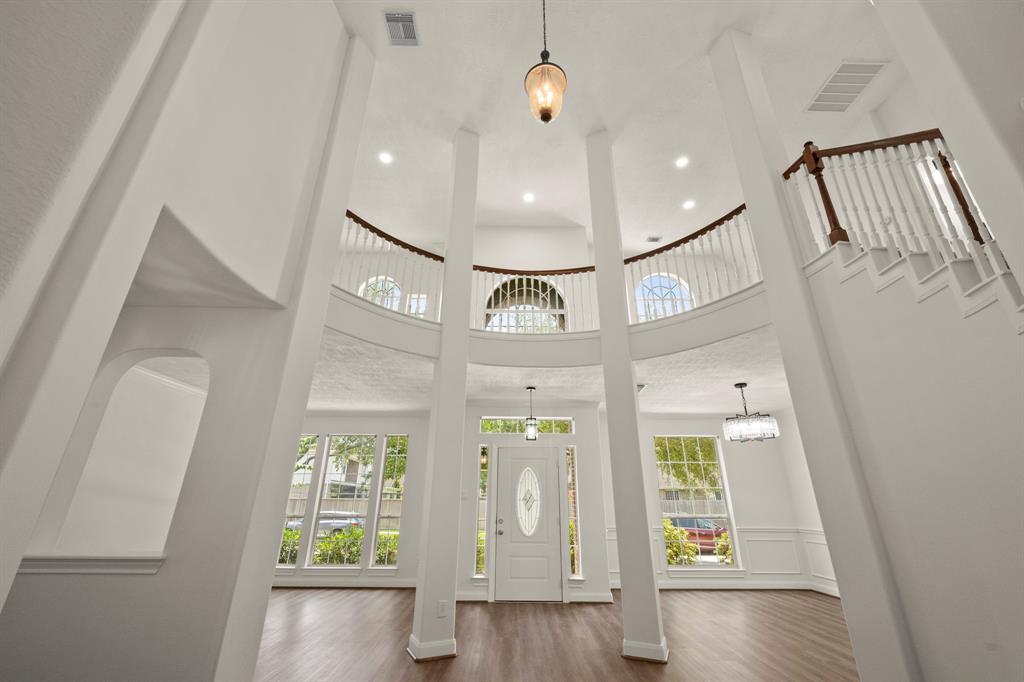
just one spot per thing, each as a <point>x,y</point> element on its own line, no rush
<point>545,86</point>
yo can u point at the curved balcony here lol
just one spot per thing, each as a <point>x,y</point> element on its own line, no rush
<point>701,268</point>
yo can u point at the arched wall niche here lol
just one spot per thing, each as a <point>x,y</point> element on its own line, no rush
<point>123,470</point>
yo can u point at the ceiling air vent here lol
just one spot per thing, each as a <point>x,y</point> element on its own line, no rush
<point>401,28</point>
<point>653,238</point>
<point>844,86</point>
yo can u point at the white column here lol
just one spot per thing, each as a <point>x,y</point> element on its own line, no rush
<point>643,636</point>
<point>975,95</point>
<point>871,602</point>
<point>240,646</point>
<point>433,627</point>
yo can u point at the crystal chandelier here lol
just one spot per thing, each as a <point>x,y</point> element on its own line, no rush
<point>531,421</point>
<point>747,427</point>
<point>545,82</point>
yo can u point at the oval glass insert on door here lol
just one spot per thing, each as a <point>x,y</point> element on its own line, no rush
<point>528,501</point>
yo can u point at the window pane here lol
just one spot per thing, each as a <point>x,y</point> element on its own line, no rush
<point>392,491</point>
<point>518,425</point>
<point>481,514</point>
<point>295,512</point>
<point>341,518</point>
<point>575,557</point>
<point>695,517</point>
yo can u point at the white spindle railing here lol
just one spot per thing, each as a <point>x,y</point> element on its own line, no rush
<point>698,269</point>
<point>905,195</point>
<point>389,272</point>
<point>534,302</point>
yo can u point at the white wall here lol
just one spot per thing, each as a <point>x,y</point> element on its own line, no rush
<point>902,112</point>
<point>252,157</point>
<point>772,546</point>
<point>130,485</point>
<point>935,402</point>
<point>533,248</point>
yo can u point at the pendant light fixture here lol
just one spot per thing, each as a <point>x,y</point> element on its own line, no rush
<point>531,421</point>
<point>747,427</point>
<point>545,82</point>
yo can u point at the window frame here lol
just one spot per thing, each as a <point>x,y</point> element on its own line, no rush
<point>640,301</point>
<point>729,516</point>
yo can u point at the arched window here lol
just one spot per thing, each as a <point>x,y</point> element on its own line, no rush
<point>384,291</point>
<point>661,294</point>
<point>525,305</point>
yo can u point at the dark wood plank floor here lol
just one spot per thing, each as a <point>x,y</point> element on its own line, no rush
<point>713,635</point>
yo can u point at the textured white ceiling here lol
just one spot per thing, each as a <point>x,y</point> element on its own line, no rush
<point>352,375</point>
<point>638,68</point>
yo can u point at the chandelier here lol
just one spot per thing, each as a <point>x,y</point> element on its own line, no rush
<point>747,427</point>
<point>531,421</point>
<point>545,82</point>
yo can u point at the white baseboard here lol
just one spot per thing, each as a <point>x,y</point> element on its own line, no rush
<point>425,651</point>
<point>342,581</point>
<point>576,596</point>
<point>645,650</point>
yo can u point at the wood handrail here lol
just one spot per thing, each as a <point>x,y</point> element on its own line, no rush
<point>533,273</point>
<point>688,238</point>
<point>885,142</point>
<point>564,271</point>
<point>394,240</point>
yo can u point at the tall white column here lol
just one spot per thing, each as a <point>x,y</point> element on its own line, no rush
<point>871,602</point>
<point>310,294</point>
<point>433,627</point>
<point>965,59</point>
<point>643,636</point>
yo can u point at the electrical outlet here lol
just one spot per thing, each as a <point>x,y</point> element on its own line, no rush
<point>442,608</point>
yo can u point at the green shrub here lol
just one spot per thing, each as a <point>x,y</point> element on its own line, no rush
<point>679,551</point>
<point>481,553</point>
<point>723,549</point>
<point>344,548</point>
<point>387,549</point>
<point>289,551</point>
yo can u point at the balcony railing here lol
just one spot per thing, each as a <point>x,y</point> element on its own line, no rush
<point>904,195</point>
<point>702,267</point>
<point>534,301</point>
<point>714,262</point>
<point>387,271</point>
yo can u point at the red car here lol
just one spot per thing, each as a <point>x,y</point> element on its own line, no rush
<point>703,532</point>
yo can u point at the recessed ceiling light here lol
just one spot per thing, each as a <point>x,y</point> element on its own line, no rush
<point>528,197</point>
<point>688,204</point>
<point>682,162</point>
<point>385,158</point>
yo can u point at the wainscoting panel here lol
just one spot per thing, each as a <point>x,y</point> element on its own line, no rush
<point>772,556</point>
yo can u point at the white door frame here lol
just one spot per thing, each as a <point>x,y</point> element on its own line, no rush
<point>496,442</point>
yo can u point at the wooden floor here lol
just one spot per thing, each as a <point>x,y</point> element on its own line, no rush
<point>713,635</point>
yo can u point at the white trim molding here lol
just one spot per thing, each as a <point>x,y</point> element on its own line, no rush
<point>645,650</point>
<point>426,651</point>
<point>142,564</point>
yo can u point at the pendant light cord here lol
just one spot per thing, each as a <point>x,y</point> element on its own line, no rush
<point>744,396</point>
<point>544,21</point>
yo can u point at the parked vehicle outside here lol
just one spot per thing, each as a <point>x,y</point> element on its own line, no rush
<point>703,532</point>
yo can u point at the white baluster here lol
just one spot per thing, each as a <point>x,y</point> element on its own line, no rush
<point>899,236</point>
<point>929,166</point>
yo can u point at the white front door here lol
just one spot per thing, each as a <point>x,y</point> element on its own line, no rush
<point>528,539</point>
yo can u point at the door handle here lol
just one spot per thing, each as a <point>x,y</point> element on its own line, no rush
<point>501,532</point>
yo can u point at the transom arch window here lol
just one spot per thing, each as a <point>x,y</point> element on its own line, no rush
<point>525,305</point>
<point>382,290</point>
<point>661,294</point>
